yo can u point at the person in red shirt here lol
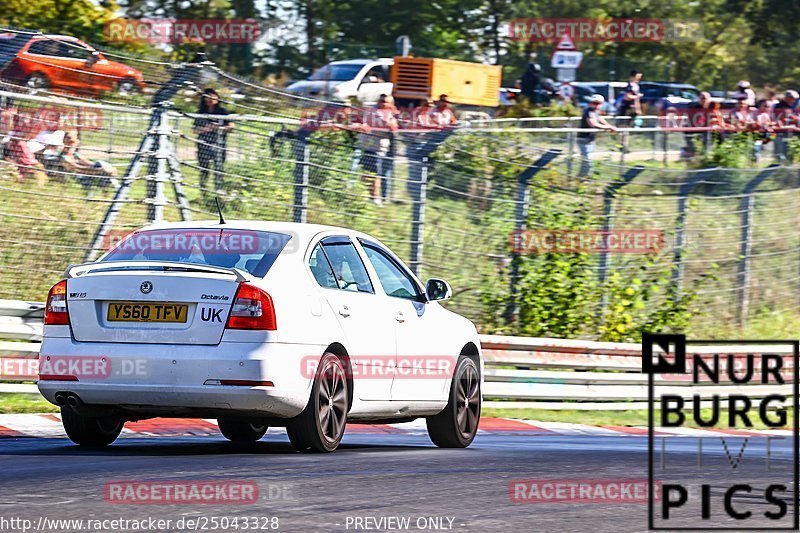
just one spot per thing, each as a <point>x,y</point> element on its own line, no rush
<point>442,114</point>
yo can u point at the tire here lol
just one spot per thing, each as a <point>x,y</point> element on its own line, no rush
<point>321,425</point>
<point>91,432</point>
<point>457,425</point>
<point>37,82</point>
<point>127,86</point>
<point>241,430</point>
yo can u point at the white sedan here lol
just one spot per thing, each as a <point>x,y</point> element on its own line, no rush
<point>257,324</point>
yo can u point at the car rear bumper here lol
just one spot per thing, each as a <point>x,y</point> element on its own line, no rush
<point>170,378</point>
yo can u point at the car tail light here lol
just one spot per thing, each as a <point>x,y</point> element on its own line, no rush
<point>55,312</point>
<point>252,309</point>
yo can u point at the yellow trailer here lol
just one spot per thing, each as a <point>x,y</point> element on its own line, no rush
<point>414,78</point>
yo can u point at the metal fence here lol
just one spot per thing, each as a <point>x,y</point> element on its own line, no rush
<point>450,202</point>
<point>520,372</point>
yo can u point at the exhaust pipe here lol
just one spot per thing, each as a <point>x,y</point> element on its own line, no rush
<point>61,399</point>
<point>77,405</point>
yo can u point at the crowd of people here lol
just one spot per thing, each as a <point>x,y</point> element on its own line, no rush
<point>760,120</point>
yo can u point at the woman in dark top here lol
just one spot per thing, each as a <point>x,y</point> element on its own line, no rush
<point>211,138</point>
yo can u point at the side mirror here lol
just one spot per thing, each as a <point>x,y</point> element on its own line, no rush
<point>92,59</point>
<point>371,79</point>
<point>437,289</point>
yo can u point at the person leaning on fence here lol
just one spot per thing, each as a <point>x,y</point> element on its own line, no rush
<point>591,119</point>
<point>212,136</point>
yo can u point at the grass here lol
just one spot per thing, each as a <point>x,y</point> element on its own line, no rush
<point>25,403</point>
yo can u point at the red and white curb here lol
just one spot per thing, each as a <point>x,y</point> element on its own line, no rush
<point>49,426</point>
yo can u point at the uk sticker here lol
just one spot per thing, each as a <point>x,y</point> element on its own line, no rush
<point>730,462</point>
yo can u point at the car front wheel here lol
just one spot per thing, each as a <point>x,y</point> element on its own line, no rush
<point>457,425</point>
<point>241,430</point>
<point>321,425</point>
<point>37,82</point>
<point>91,431</point>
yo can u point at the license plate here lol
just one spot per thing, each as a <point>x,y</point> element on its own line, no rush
<point>147,312</point>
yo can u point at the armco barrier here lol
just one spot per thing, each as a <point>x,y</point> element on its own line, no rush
<point>519,371</point>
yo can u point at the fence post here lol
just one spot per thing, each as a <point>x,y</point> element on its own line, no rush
<point>156,199</point>
<point>746,246</point>
<point>680,224</point>
<point>302,155</point>
<point>419,147</point>
<point>608,214</point>
<point>520,221</point>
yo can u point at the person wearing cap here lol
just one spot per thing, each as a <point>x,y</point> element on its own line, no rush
<point>783,115</point>
<point>744,91</point>
<point>591,120</point>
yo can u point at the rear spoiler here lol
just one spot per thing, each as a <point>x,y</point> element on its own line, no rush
<point>73,271</point>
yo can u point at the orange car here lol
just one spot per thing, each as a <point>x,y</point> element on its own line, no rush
<point>62,62</point>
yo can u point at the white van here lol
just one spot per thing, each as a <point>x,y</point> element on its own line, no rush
<point>364,79</point>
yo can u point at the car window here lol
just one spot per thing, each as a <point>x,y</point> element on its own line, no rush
<point>73,51</point>
<point>321,269</point>
<point>351,275</point>
<point>44,47</point>
<point>377,72</point>
<point>394,280</point>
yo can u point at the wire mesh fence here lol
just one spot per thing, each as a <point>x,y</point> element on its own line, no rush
<point>450,201</point>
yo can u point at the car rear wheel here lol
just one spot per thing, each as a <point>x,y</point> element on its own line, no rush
<point>457,425</point>
<point>90,431</point>
<point>241,430</point>
<point>321,425</point>
<point>37,81</point>
<point>127,86</point>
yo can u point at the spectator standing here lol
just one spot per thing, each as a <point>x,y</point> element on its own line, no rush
<point>744,90</point>
<point>591,119</point>
<point>531,83</point>
<point>630,104</point>
<point>212,136</point>
<point>698,115</point>
<point>763,124</point>
<point>783,116</point>
<point>376,144</point>
<point>442,114</point>
<point>422,115</point>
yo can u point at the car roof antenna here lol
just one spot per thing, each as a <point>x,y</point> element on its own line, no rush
<point>219,210</point>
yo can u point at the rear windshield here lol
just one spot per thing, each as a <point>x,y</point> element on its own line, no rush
<point>248,250</point>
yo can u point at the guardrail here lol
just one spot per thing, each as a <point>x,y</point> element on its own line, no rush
<point>519,371</point>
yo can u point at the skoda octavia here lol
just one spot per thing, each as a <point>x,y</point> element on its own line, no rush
<point>257,324</point>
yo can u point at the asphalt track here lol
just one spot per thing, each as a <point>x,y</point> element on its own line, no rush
<point>370,476</point>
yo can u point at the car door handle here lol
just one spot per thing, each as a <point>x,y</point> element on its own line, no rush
<point>344,311</point>
<point>400,317</point>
